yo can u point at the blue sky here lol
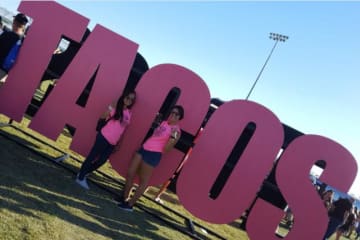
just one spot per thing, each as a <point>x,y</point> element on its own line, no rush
<point>311,81</point>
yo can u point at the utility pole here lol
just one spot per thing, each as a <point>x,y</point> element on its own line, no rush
<point>276,37</point>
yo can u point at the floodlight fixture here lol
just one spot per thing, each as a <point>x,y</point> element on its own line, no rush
<point>276,37</point>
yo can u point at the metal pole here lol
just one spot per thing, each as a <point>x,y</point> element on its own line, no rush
<point>277,38</point>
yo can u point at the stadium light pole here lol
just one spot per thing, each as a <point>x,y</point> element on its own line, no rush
<point>276,37</point>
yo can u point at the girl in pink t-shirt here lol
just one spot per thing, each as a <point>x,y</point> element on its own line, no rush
<point>108,137</point>
<point>163,139</point>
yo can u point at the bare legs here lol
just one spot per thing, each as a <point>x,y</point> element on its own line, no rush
<point>134,165</point>
<point>144,171</point>
<point>338,234</point>
<point>162,189</point>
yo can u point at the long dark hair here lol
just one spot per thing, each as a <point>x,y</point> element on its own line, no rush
<point>120,105</point>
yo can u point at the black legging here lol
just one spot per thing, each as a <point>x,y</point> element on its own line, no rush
<point>101,150</point>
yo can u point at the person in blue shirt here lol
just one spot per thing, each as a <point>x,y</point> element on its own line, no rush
<point>10,42</point>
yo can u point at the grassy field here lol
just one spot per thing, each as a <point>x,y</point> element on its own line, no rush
<point>40,200</point>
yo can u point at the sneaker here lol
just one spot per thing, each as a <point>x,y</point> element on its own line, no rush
<point>125,206</point>
<point>83,183</point>
<point>119,199</point>
<point>61,158</point>
<point>159,200</point>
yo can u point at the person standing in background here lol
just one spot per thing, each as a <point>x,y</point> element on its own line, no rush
<point>337,216</point>
<point>10,42</point>
<point>1,26</point>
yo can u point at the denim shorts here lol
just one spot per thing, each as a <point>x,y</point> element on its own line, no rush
<point>151,158</point>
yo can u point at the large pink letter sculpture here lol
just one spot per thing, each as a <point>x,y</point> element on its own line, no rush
<point>152,91</point>
<point>113,56</point>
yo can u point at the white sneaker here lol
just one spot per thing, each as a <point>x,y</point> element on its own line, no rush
<point>83,183</point>
<point>62,158</point>
<point>159,200</point>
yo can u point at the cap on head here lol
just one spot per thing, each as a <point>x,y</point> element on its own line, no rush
<point>21,18</point>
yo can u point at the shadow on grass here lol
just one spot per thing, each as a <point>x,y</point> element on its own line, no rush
<point>35,187</point>
<point>18,139</point>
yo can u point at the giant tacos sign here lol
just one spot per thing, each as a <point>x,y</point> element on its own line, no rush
<point>112,56</point>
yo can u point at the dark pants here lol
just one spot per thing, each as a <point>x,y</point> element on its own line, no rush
<point>334,223</point>
<point>98,155</point>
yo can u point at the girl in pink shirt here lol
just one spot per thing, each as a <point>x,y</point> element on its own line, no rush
<point>163,139</point>
<point>108,137</point>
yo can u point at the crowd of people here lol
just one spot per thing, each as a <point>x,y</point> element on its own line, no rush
<point>344,215</point>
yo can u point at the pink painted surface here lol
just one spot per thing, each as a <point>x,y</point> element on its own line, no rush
<point>41,41</point>
<point>263,221</point>
<point>292,176</point>
<point>151,93</point>
<point>211,152</point>
<point>115,55</point>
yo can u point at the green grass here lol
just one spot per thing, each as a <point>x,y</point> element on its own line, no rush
<point>40,200</point>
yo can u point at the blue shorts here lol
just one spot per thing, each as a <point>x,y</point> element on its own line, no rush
<point>151,158</point>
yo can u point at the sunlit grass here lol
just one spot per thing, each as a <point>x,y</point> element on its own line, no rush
<point>40,200</point>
